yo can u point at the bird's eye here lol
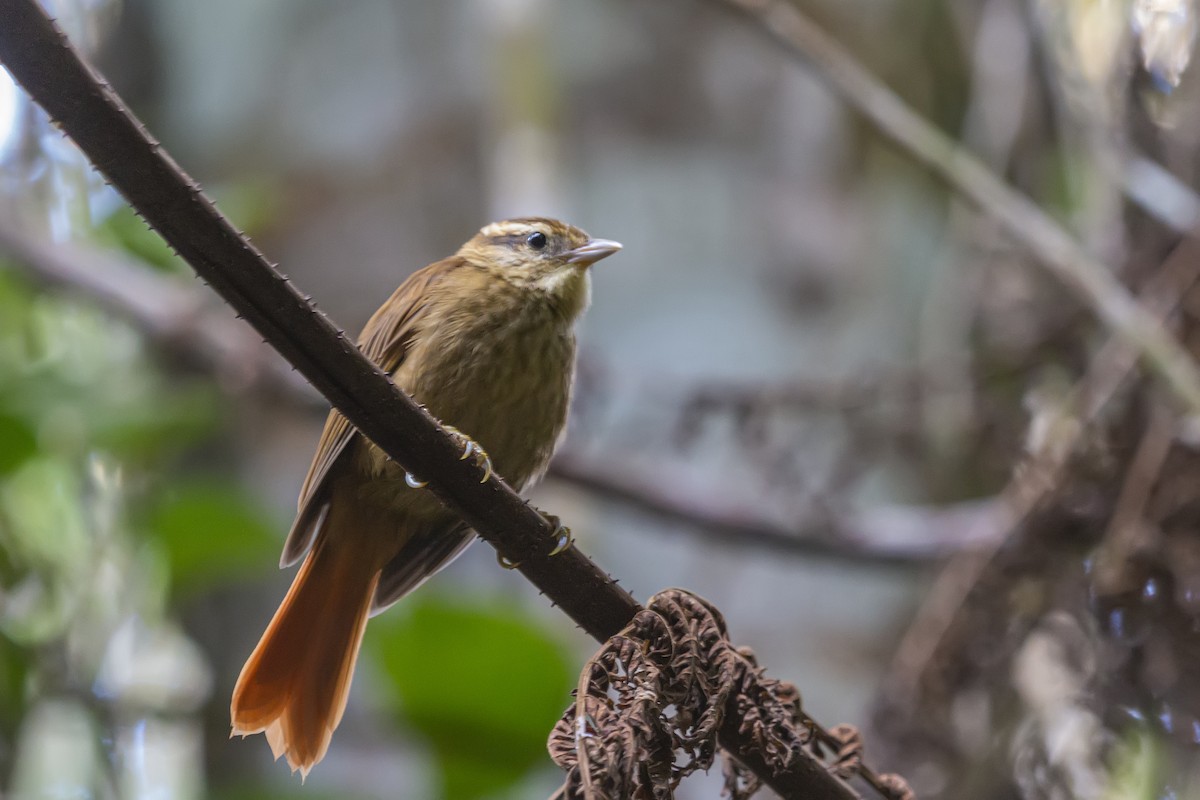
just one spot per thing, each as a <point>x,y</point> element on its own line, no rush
<point>536,240</point>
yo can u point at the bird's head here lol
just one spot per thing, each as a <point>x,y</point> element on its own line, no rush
<point>538,253</point>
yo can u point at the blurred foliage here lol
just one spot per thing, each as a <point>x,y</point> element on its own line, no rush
<point>1137,767</point>
<point>77,382</point>
<point>14,669</point>
<point>91,437</point>
<point>480,681</point>
<point>251,205</point>
<point>17,442</point>
<point>125,230</point>
<point>212,532</point>
<point>247,792</point>
<point>88,426</point>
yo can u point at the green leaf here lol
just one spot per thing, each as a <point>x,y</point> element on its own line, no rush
<point>47,527</point>
<point>15,663</point>
<point>482,682</point>
<point>1137,765</point>
<point>17,443</point>
<point>46,538</point>
<point>250,205</point>
<point>126,230</point>
<point>155,423</point>
<point>213,533</point>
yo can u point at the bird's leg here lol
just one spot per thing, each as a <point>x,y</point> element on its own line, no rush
<point>472,450</point>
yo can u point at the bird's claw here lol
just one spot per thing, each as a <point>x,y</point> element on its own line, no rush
<point>561,534</point>
<point>472,450</point>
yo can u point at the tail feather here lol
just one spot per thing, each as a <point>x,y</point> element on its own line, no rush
<point>295,684</point>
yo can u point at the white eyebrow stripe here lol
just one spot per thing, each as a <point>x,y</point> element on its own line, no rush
<point>504,229</point>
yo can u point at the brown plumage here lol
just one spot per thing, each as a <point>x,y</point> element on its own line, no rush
<point>485,341</point>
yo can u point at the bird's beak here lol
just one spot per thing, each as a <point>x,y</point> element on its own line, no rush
<point>593,251</point>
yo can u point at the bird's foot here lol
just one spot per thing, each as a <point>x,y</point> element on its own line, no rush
<point>561,534</point>
<point>472,450</point>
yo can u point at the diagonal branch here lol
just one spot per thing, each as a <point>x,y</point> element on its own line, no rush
<point>44,63</point>
<point>1092,281</point>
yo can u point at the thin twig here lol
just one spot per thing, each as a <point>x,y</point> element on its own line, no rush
<point>1092,281</point>
<point>1125,528</point>
<point>884,533</point>
<point>1164,197</point>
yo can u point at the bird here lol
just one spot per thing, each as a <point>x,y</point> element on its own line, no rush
<point>485,341</point>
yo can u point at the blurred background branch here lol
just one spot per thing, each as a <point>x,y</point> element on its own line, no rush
<point>1054,248</point>
<point>171,314</point>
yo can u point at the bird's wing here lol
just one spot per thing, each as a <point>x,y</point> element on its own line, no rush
<point>425,552</point>
<point>386,340</point>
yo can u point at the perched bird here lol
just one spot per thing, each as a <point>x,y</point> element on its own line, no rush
<point>485,341</point>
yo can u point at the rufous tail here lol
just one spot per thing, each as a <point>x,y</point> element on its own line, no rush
<point>295,684</point>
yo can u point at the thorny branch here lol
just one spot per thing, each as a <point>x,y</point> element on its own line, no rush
<point>651,704</point>
<point>1093,282</point>
<point>42,60</point>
